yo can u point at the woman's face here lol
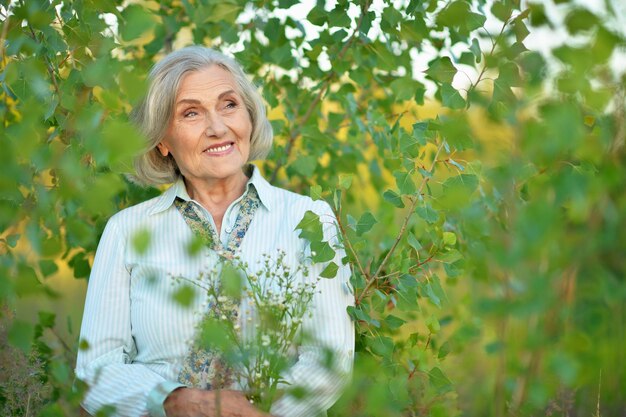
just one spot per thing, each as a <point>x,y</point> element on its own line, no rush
<point>209,134</point>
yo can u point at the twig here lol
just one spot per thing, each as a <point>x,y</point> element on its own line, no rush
<point>48,64</point>
<point>350,247</point>
<point>599,389</point>
<point>494,43</point>
<point>65,346</point>
<point>218,402</point>
<point>620,131</point>
<point>430,335</point>
<point>405,223</point>
<point>3,36</point>
<point>325,86</point>
<point>411,269</point>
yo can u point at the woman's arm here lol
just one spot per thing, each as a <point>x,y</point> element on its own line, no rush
<point>332,335</point>
<point>105,364</point>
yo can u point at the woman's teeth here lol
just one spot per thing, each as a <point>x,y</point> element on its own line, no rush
<point>219,148</point>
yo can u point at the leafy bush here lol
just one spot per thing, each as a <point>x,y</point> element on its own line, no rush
<point>479,185</point>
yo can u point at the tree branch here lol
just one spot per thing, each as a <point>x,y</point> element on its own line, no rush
<point>494,43</point>
<point>405,223</point>
<point>49,66</point>
<point>349,246</point>
<point>325,86</point>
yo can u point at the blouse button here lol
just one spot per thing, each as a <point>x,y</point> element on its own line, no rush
<point>229,229</point>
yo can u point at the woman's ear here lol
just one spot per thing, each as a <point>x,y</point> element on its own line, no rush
<point>163,149</point>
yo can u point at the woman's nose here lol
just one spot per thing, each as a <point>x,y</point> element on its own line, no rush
<point>215,126</point>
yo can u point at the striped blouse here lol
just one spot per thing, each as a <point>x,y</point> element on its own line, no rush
<point>137,335</point>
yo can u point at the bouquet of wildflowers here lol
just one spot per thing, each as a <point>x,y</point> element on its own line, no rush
<point>253,323</point>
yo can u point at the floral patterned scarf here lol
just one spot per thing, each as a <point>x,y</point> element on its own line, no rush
<point>204,368</point>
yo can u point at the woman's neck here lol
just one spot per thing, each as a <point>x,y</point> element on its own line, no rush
<point>217,195</point>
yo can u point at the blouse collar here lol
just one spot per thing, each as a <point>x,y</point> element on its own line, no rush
<point>178,189</point>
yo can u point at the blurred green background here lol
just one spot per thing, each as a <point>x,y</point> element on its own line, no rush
<point>472,150</point>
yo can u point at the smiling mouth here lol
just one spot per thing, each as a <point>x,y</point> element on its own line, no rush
<point>219,148</point>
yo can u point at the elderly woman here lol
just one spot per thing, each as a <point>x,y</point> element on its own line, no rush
<point>204,122</point>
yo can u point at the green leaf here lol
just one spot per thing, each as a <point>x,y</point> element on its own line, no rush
<point>365,223</point>
<point>394,322</point>
<point>12,240</point>
<point>431,296</point>
<point>330,271</point>
<point>459,16</point>
<point>48,267</point>
<point>46,319</point>
<point>502,10</point>
<point>393,198</point>
<point>321,252</point>
<point>450,97</point>
<point>427,213</point>
<point>305,165</point>
<point>433,324</point>
<point>358,314</point>
<point>440,381</point>
<point>121,141</point>
<point>474,21</point>
<point>475,48</point>
<point>449,239</point>
<point>419,132</point>
<point>285,4</point>
<point>318,16</point>
<point>441,70</point>
<point>580,20</point>
<point>405,184</point>
<point>457,191</point>
<point>135,21</point>
<point>510,75</point>
<point>184,295</point>
<point>404,88</point>
<point>382,346</point>
<point>338,17</point>
<point>232,281</point>
<point>520,29</point>
<point>60,371</point>
<point>141,241</point>
<point>51,246</point>
<point>413,242</point>
<point>345,181</point>
<point>449,256</point>
<point>195,245</point>
<point>310,227</point>
<point>316,192</point>
<point>224,10</point>
<point>27,282</point>
<point>21,335</point>
<point>80,265</point>
<point>409,145</point>
<point>282,55</point>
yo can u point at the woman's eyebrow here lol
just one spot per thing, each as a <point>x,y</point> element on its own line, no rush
<point>196,101</point>
<point>226,93</point>
<point>187,101</point>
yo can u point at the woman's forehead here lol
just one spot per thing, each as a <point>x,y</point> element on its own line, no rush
<point>212,80</point>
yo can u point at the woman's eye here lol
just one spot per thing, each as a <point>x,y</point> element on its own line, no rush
<point>190,113</point>
<point>231,105</point>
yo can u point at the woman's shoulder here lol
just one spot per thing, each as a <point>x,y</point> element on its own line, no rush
<point>298,204</point>
<point>286,203</point>
<point>138,214</point>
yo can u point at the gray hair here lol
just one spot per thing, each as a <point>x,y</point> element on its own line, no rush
<point>153,114</point>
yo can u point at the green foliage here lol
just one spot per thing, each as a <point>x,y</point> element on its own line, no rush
<point>479,193</point>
